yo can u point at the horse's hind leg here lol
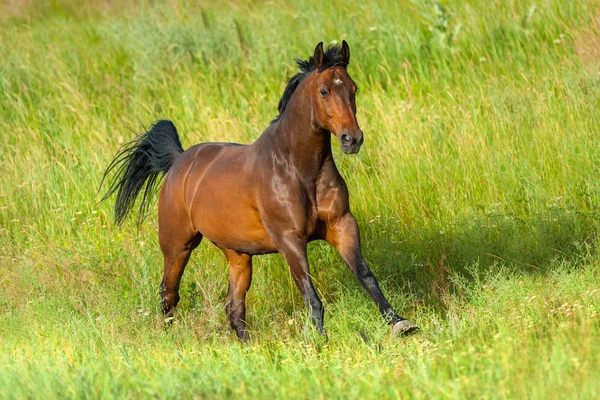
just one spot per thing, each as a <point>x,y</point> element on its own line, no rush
<point>240,277</point>
<point>176,255</point>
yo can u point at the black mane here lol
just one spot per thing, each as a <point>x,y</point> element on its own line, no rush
<point>331,58</point>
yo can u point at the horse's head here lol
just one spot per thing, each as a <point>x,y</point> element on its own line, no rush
<point>334,106</point>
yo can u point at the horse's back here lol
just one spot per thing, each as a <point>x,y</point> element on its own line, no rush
<point>205,153</point>
<point>216,185</point>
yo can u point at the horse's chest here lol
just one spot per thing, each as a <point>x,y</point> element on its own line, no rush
<point>321,201</point>
<point>308,210</point>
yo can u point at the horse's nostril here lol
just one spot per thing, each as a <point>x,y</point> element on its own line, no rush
<point>346,139</point>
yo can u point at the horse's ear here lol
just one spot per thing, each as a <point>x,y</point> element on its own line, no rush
<point>318,56</point>
<point>345,52</point>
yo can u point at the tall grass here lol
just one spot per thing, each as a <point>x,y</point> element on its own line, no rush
<point>477,192</point>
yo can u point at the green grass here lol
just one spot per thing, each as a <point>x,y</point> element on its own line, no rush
<point>477,192</point>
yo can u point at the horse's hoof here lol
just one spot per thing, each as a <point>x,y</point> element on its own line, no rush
<point>405,328</point>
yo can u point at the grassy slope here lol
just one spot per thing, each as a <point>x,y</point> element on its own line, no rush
<point>477,192</point>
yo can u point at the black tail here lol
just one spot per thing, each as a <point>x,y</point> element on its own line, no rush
<point>142,162</point>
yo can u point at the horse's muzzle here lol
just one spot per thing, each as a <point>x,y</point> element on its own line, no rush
<point>349,144</point>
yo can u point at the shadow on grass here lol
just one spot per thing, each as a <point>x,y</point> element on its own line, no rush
<point>421,261</point>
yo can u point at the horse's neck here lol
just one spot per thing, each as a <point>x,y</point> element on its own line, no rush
<point>295,141</point>
<point>300,143</point>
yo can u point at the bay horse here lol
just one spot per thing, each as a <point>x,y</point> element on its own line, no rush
<point>274,195</point>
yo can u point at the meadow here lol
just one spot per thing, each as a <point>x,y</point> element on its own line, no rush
<point>477,192</point>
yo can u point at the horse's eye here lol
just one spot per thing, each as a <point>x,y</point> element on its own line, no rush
<point>323,92</point>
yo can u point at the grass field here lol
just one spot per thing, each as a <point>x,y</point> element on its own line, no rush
<point>477,192</point>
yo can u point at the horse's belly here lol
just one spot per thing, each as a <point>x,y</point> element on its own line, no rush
<point>233,226</point>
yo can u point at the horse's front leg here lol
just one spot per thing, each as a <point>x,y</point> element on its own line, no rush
<point>344,235</point>
<point>294,251</point>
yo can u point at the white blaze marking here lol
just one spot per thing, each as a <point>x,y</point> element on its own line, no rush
<point>337,81</point>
